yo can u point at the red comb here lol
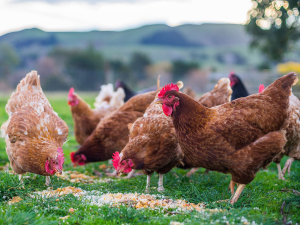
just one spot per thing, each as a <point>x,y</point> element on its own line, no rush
<point>166,88</point>
<point>71,92</point>
<point>261,88</point>
<point>116,160</point>
<point>72,157</point>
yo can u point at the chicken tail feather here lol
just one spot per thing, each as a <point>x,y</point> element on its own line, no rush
<point>30,82</point>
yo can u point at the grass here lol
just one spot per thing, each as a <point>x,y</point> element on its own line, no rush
<point>261,200</point>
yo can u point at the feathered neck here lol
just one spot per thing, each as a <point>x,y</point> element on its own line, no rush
<point>189,114</point>
<point>82,107</point>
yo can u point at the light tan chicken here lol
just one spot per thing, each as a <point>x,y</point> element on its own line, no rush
<point>34,134</point>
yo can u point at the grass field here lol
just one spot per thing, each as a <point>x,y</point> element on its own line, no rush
<point>260,203</point>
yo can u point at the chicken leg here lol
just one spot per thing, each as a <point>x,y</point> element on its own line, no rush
<point>160,183</point>
<point>192,171</point>
<point>21,179</point>
<point>148,184</point>
<point>48,181</point>
<point>237,193</point>
<point>287,166</point>
<point>280,175</point>
<point>231,186</point>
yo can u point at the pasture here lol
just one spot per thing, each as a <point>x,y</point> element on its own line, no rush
<point>266,200</point>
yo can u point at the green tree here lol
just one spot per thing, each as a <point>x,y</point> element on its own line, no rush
<point>9,59</point>
<point>85,67</point>
<point>274,26</point>
<point>181,68</point>
<point>138,63</point>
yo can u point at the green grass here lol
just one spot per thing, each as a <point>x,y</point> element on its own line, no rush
<point>261,200</point>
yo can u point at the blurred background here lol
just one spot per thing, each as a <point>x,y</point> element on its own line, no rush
<point>88,43</point>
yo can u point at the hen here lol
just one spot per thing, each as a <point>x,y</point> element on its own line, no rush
<point>219,95</point>
<point>86,119</point>
<point>153,145</point>
<point>237,86</point>
<point>292,146</point>
<point>34,134</point>
<point>238,137</point>
<point>111,134</point>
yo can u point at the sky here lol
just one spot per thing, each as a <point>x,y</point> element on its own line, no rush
<point>86,15</point>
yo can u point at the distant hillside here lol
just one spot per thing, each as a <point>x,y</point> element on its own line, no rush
<point>180,36</point>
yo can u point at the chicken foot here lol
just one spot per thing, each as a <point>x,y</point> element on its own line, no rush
<point>48,181</point>
<point>287,166</point>
<point>280,174</point>
<point>160,183</point>
<point>237,193</point>
<point>148,184</point>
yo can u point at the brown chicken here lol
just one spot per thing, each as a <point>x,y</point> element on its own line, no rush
<point>153,145</point>
<point>292,146</point>
<point>219,95</point>
<point>238,137</point>
<point>34,134</point>
<point>111,134</point>
<point>190,92</point>
<point>86,119</point>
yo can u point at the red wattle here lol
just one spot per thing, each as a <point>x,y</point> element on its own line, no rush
<point>167,109</point>
<point>72,157</point>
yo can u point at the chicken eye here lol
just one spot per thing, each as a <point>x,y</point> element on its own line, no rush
<point>170,96</point>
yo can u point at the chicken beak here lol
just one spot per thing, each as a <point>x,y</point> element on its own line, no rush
<point>59,171</point>
<point>159,101</point>
<point>119,173</point>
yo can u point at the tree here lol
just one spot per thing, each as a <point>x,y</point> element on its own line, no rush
<point>274,26</point>
<point>138,63</point>
<point>181,68</point>
<point>85,67</point>
<point>8,60</point>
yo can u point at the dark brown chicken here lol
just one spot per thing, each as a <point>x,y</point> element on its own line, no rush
<point>218,96</point>
<point>238,137</point>
<point>111,134</point>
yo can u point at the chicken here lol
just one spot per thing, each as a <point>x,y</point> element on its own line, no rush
<point>219,95</point>
<point>238,137</point>
<point>86,119</point>
<point>129,93</point>
<point>190,92</point>
<point>292,147</point>
<point>111,134</point>
<point>153,145</point>
<point>34,134</point>
<point>238,88</point>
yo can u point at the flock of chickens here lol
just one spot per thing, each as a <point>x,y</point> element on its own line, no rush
<point>224,130</point>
